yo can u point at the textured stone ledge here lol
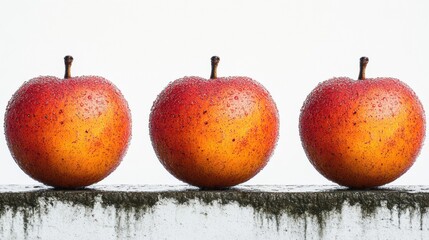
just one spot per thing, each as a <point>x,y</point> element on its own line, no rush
<point>245,212</point>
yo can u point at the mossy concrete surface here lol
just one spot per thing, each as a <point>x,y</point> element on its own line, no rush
<point>183,212</point>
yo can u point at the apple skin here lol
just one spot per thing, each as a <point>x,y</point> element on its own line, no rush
<point>364,133</point>
<point>68,133</point>
<point>214,133</point>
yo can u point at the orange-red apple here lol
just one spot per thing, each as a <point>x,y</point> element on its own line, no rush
<point>214,133</point>
<point>363,133</point>
<point>68,133</point>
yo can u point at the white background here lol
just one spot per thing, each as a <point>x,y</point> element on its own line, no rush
<point>288,46</point>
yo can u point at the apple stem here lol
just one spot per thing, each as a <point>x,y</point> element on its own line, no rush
<point>215,61</point>
<point>68,62</point>
<point>363,62</point>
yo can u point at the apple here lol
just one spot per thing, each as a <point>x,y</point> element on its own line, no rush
<point>214,133</point>
<point>68,133</point>
<point>364,133</point>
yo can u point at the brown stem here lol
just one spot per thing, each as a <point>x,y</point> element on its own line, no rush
<point>68,62</point>
<point>215,61</point>
<point>363,62</point>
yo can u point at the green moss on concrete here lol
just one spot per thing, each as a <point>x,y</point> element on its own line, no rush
<point>32,204</point>
<point>273,205</point>
<point>317,205</point>
<point>128,201</point>
<point>129,206</point>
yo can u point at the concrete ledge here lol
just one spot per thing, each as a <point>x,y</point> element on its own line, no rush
<point>183,212</point>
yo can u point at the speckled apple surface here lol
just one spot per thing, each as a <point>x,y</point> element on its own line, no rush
<point>362,133</point>
<point>68,133</point>
<point>214,133</point>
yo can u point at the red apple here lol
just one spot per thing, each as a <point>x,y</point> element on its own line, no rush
<point>214,133</point>
<point>363,133</point>
<point>68,133</point>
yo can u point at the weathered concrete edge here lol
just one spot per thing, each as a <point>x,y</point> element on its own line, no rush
<point>273,201</point>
